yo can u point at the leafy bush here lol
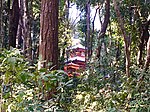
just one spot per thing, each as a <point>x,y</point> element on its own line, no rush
<point>27,89</point>
<point>98,94</point>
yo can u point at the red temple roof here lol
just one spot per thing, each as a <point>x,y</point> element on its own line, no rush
<point>77,46</point>
<point>77,58</point>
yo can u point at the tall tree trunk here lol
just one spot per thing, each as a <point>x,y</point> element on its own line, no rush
<point>88,39</point>
<point>6,25</point>
<point>1,95</point>
<point>26,24</point>
<point>48,44</point>
<point>31,50</point>
<point>13,23</point>
<point>1,24</point>
<point>20,32</point>
<point>126,39</point>
<point>19,41</point>
<point>104,24</point>
<point>148,48</point>
<point>148,55</point>
<point>143,41</point>
<point>28,27</point>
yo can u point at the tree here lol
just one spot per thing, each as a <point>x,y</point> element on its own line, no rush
<point>24,30</point>
<point>48,43</point>
<point>126,38</point>
<point>148,52</point>
<point>13,22</point>
<point>144,35</point>
<point>104,24</point>
<point>1,37</point>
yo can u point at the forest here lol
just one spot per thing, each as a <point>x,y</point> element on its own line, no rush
<point>36,36</point>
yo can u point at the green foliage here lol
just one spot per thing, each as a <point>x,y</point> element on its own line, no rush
<point>97,94</point>
<point>64,31</point>
<point>26,89</point>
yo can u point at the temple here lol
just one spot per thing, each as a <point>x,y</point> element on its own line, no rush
<point>75,62</point>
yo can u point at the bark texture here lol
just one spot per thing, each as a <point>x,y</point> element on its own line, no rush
<point>24,29</point>
<point>13,23</point>
<point>27,30</point>
<point>148,55</point>
<point>126,38</point>
<point>143,41</point>
<point>106,19</point>
<point>1,24</point>
<point>104,24</point>
<point>48,44</point>
<point>148,49</point>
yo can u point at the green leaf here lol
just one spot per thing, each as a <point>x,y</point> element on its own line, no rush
<point>23,77</point>
<point>6,95</point>
<point>48,75</point>
<point>53,79</point>
<point>133,110</point>
<point>43,70</point>
<point>31,74</point>
<point>21,93</point>
<point>70,81</point>
<point>45,78</point>
<point>12,60</point>
<point>30,109</point>
<point>69,85</point>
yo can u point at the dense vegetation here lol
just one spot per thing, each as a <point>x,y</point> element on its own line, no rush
<point>116,78</point>
<point>27,89</point>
